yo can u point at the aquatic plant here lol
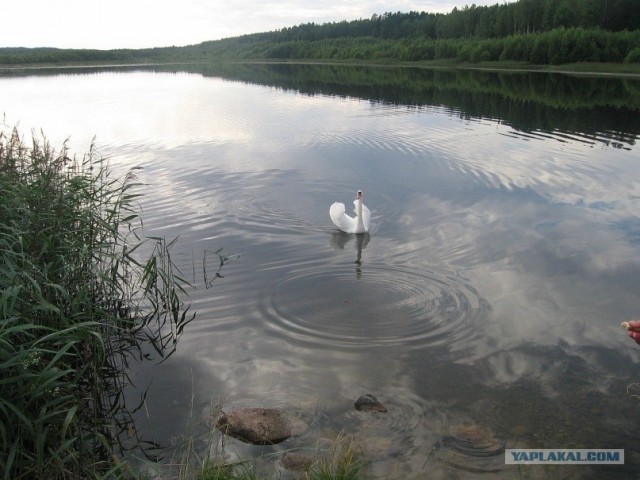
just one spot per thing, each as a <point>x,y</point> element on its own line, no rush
<point>76,301</point>
<point>212,470</point>
<point>345,461</point>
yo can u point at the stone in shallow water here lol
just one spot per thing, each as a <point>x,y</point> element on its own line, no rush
<point>470,447</point>
<point>474,440</point>
<point>297,461</point>
<point>369,403</point>
<point>259,426</point>
<point>519,430</point>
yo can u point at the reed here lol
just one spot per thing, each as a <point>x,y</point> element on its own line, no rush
<point>76,301</point>
<point>213,470</point>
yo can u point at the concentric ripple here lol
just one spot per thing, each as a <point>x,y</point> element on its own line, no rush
<point>395,440</point>
<point>377,305</point>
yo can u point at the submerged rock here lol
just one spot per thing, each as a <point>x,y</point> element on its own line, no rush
<point>297,461</point>
<point>259,426</point>
<point>473,440</point>
<point>369,403</point>
<point>470,447</point>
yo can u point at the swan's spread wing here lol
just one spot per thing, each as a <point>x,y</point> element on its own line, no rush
<point>340,218</point>
<point>366,217</point>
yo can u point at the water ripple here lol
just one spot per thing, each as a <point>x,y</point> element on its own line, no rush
<point>330,305</point>
<point>399,433</point>
<point>249,202</point>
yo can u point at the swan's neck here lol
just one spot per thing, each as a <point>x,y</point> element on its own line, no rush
<point>360,224</point>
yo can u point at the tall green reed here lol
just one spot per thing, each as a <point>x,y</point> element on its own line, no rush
<point>76,301</point>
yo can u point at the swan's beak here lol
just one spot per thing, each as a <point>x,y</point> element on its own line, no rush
<point>358,194</point>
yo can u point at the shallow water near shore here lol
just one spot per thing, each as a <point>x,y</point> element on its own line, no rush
<point>484,306</point>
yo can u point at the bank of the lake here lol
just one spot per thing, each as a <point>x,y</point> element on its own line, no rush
<point>519,32</point>
<point>580,68</point>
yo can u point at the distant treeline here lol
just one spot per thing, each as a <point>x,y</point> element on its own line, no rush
<point>532,31</point>
<point>522,17</point>
<point>553,47</point>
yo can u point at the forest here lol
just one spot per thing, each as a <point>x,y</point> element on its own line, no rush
<point>537,32</point>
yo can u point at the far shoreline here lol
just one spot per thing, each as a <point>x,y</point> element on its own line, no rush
<point>583,68</point>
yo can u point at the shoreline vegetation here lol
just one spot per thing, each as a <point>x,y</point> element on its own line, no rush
<point>593,36</point>
<point>77,302</point>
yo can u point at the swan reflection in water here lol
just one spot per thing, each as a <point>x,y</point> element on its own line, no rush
<point>339,240</point>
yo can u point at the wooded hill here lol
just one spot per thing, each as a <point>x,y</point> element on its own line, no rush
<point>531,31</point>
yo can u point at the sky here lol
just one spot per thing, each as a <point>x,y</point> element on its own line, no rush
<point>109,24</point>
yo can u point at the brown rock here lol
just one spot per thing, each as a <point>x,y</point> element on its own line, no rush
<point>473,440</point>
<point>369,403</point>
<point>259,426</point>
<point>297,461</point>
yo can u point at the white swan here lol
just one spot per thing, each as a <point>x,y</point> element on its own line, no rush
<point>359,224</point>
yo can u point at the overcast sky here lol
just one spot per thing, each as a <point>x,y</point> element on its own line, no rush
<point>107,24</point>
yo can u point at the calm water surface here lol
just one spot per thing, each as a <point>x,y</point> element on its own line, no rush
<point>483,308</point>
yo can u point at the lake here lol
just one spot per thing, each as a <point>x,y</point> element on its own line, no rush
<point>484,306</point>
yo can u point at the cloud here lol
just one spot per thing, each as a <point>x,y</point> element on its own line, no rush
<point>149,23</point>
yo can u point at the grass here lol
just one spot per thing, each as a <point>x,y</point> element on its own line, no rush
<point>74,303</point>
<point>213,470</point>
<point>345,460</point>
